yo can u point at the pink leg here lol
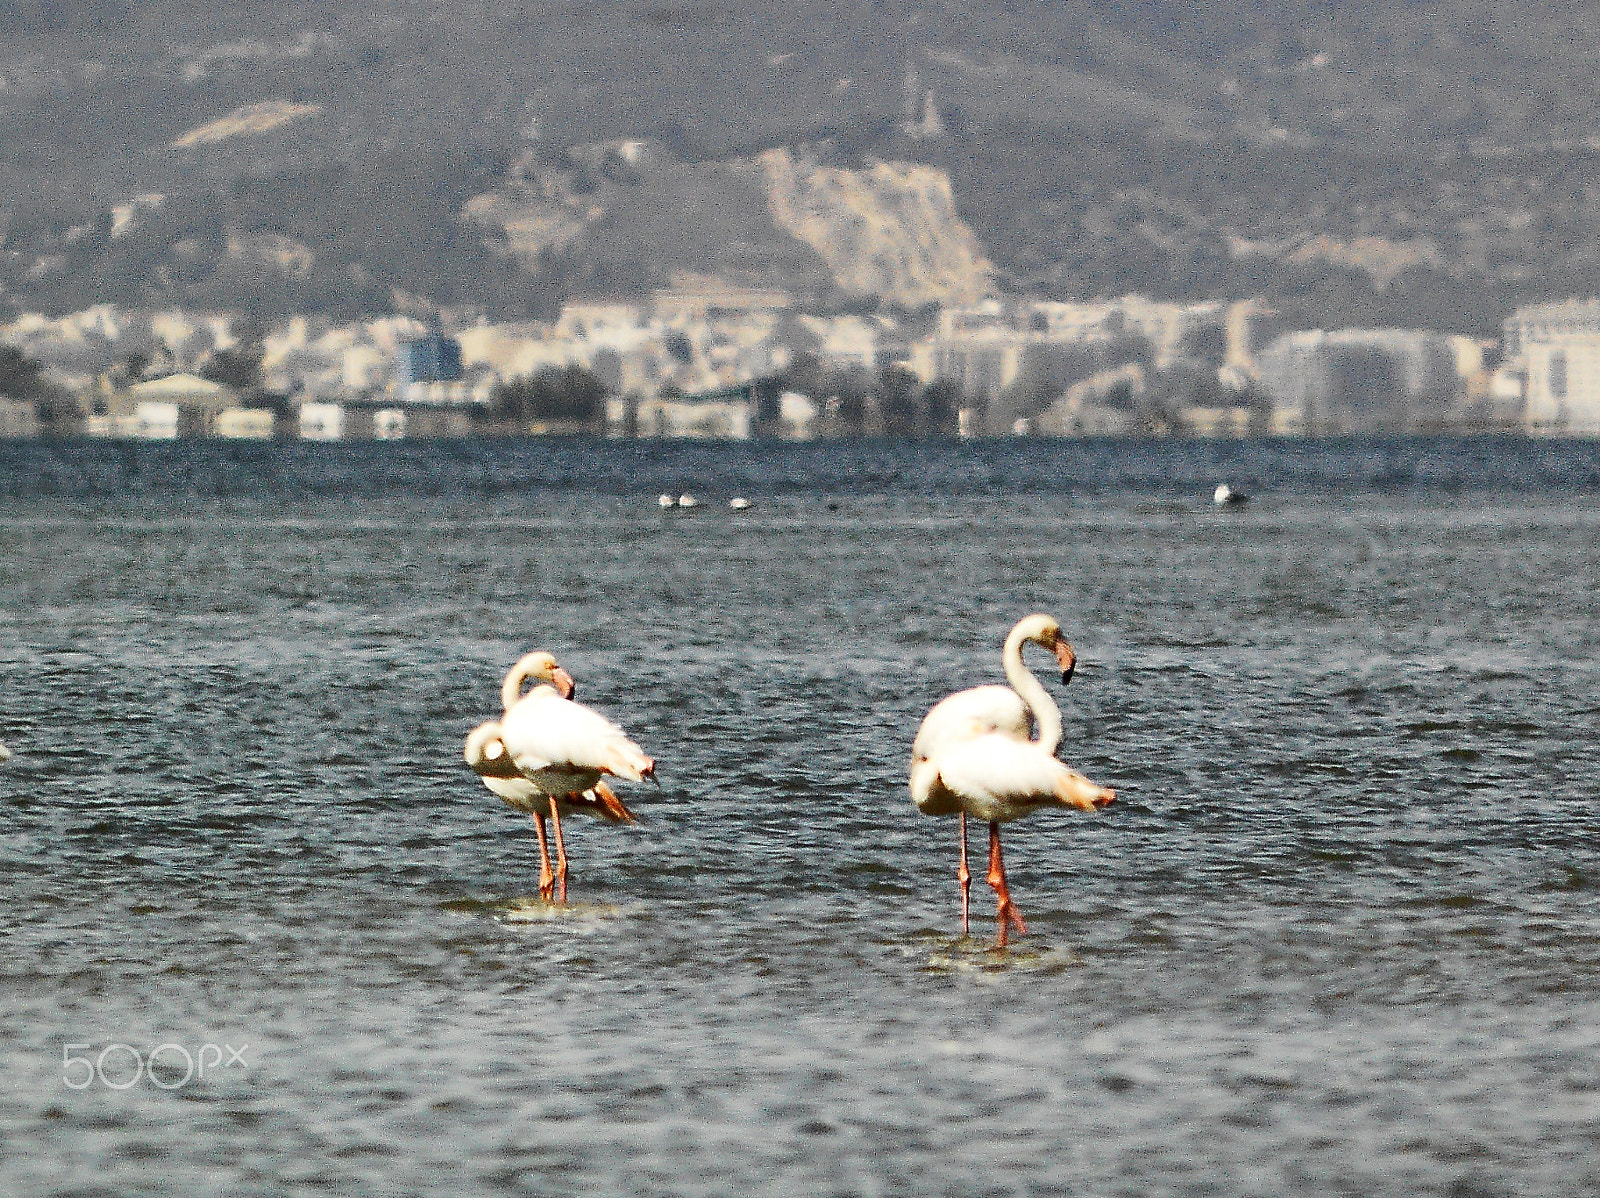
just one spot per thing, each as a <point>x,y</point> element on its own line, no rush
<point>546,886</point>
<point>1005,910</point>
<point>561,850</point>
<point>964,875</point>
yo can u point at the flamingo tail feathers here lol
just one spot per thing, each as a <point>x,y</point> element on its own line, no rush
<point>626,760</point>
<point>610,808</point>
<point>1072,789</point>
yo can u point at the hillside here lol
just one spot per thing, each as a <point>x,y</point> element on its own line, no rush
<point>1413,163</point>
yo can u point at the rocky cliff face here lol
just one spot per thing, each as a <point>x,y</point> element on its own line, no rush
<point>891,231</point>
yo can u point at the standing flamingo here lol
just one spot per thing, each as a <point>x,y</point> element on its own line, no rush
<point>558,749</point>
<point>973,756</point>
<point>486,754</point>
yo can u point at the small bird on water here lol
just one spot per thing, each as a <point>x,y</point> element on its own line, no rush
<point>1226,496</point>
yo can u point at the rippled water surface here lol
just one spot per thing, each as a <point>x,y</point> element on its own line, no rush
<point>1339,934</point>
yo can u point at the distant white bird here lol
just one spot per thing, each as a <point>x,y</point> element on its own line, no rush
<point>973,755</point>
<point>1226,496</point>
<point>5,753</point>
<point>687,500</point>
<point>562,748</point>
<point>665,501</point>
<point>740,504</point>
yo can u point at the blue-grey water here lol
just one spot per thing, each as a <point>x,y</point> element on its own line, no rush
<point>1340,933</point>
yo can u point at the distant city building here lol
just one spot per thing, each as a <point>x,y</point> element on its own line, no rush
<point>1359,380</point>
<point>693,300</point>
<point>321,421</point>
<point>431,359</point>
<point>1555,349</point>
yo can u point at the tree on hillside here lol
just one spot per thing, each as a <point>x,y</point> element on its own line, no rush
<point>568,394</point>
<point>20,376</point>
<point>236,368</point>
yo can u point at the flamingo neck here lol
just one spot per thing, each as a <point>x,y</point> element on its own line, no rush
<point>511,690</point>
<point>1046,715</point>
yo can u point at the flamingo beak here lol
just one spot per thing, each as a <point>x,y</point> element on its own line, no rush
<point>1066,659</point>
<point>563,683</point>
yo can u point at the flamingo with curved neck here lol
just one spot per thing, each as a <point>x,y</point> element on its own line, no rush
<point>486,753</point>
<point>545,745</point>
<point>974,754</point>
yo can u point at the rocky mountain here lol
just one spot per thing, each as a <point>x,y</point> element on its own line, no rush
<point>1417,162</point>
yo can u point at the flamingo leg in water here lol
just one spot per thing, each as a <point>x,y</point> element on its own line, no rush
<point>964,875</point>
<point>1005,910</point>
<point>561,850</point>
<point>546,886</point>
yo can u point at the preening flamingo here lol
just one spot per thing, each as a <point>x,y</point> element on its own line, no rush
<point>547,745</point>
<point>973,756</point>
<point>486,754</point>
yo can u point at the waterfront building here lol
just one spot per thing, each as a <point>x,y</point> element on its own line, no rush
<point>1555,350</point>
<point>726,415</point>
<point>1359,380</point>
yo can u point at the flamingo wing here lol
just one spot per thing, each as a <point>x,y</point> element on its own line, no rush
<point>978,711</point>
<point>546,732</point>
<point>998,778</point>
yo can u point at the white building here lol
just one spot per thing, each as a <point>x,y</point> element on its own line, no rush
<point>245,424</point>
<point>321,421</point>
<point>156,420</point>
<point>1555,349</point>
<point>389,424</point>
<point>1359,380</point>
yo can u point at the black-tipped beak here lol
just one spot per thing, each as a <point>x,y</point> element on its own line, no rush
<point>562,681</point>
<point>1067,660</point>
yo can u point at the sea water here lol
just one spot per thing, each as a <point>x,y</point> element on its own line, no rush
<point>1340,933</point>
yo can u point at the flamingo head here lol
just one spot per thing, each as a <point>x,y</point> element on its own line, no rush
<point>1043,630</point>
<point>536,667</point>
<point>1065,657</point>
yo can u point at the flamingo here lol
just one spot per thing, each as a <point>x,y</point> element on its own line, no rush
<point>486,754</point>
<point>973,756</point>
<point>559,749</point>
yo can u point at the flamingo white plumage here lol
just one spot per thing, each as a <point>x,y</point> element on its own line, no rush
<point>486,753</point>
<point>973,756</point>
<point>557,749</point>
